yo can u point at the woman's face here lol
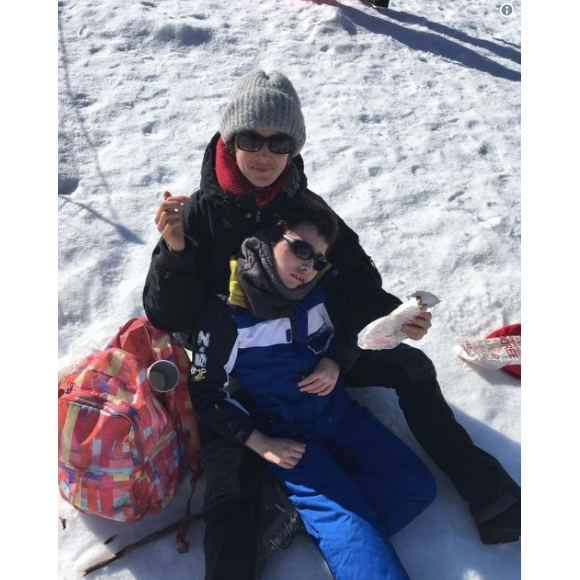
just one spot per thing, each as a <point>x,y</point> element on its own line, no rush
<point>261,168</point>
<point>292,270</point>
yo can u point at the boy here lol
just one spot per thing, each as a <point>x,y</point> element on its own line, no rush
<point>352,481</point>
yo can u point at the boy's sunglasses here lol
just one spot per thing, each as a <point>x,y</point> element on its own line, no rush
<point>304,251</point>
<point>280,144</point>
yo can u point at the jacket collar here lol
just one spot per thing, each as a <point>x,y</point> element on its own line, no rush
<point>238,298</point>
<point>211,188</point>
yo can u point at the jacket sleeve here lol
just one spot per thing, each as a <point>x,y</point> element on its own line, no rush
<point>357,292</point>
<point>343,349</point>
<point>175,291</point>
<point>214,352</point>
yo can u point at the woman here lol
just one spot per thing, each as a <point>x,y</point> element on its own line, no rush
<point>251,168</point>
<point>352,481</point>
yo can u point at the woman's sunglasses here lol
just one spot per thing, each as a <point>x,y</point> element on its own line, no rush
<point>304,251</point>
<point>280,144</point>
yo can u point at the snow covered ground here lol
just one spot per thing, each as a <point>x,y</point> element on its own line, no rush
<point>413,136</point>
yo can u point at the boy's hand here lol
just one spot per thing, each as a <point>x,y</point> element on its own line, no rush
<point>283,452</point>
<point>322,380</point>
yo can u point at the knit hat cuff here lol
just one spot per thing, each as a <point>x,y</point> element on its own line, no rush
<point>265,101</point>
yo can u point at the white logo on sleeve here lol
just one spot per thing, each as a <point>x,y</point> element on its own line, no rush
<point>198,369</point>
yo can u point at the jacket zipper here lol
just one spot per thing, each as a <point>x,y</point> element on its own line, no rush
<point>249,214</point>
<point>293,329</point>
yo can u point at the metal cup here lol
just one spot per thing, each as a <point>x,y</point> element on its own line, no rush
<point>163,376</point>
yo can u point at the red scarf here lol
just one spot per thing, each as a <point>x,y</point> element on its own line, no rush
<point>232,180</point>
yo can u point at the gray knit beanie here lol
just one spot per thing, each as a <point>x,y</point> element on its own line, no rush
<point>265,101</point>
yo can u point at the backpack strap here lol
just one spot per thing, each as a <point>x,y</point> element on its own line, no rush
<point>182,545</point>
<point>136,337</point>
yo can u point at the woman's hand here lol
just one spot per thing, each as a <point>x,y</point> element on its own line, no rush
<point>418,327</point>
<point>322,380</point>
<point>169,221</point>
<point>283,452</point>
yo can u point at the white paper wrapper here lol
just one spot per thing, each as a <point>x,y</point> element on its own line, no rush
<point>385,332</point>
<point>491,353</point>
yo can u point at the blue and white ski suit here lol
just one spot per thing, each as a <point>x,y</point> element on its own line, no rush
<point>357,483</point>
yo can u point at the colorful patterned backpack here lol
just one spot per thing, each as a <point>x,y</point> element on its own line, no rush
<point>122,447</point>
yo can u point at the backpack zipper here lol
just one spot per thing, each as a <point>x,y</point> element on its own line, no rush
<point>164,409</point>
<point>98,402</point>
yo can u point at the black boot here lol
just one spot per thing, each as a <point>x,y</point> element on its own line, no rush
<point>279,523</point>
<point>504,527</point>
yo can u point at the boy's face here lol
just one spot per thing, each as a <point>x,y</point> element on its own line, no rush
<point>261,168</point>
<point>292,270</point>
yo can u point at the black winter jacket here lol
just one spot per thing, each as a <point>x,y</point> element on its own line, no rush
<point>215,225</point>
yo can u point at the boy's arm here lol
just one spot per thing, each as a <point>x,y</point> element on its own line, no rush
<point>343,348</point>
<point>214,352</point>
<point>340,356</point>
